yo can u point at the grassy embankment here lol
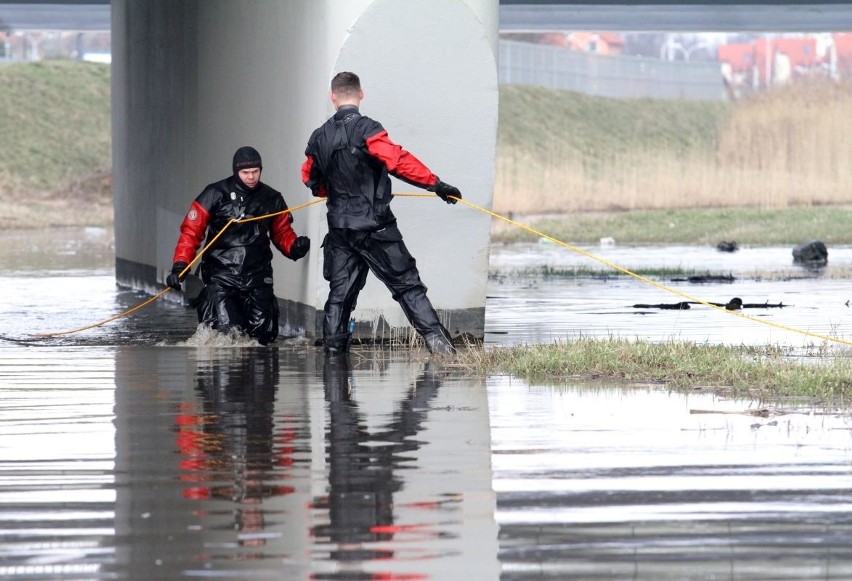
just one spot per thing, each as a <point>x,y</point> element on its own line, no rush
<point>771,170</point>
<point>641,171</point>
<point>55,145</point>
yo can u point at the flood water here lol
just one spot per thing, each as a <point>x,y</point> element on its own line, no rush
<point>129,452</point>
<point>543,309</point>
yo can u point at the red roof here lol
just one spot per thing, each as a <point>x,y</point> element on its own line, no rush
<point>554,39</point>
<point>739,56</point>
<point>801,52</point>
<point>611,38</point>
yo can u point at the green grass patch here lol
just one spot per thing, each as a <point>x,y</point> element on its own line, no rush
<point>746,226</point>
<point>756,372</point>
<point>55,129</point>
<point>584,272</point>
<point>547,271</point>
<point>536,119</point>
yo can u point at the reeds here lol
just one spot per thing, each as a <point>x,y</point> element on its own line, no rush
<point>563,152</point>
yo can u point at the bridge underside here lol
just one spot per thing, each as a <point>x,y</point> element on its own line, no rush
<point>195,80</point>
<point>523,15</point>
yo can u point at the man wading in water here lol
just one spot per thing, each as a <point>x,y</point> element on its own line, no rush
<point>349,158</point>
<point>237,269</point>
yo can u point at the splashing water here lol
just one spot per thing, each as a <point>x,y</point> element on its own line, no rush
<point>205,336</point>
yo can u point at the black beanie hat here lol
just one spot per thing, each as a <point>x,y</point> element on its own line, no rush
<point>246,157</point>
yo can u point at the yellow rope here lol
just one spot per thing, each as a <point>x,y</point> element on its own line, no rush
<point>182,272</point>
<point>485,211</point>
<point>639,276</point>
<point>105,321</point>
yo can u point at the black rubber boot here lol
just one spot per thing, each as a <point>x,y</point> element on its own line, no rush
<point>337,344</point>
<point>439,343</point>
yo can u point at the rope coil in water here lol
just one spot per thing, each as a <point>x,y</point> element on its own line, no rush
<point>494,215</point>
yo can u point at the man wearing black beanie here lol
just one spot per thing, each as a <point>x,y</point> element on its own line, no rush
<point>237,269</point>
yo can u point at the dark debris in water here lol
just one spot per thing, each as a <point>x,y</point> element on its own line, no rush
<point>734,304</point>
<point>705,278</point>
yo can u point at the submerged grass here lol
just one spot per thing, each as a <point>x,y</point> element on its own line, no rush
<point>765,372</point>
<point>837,272</point>
<point>547,271</point>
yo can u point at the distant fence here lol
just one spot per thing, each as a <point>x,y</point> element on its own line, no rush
<point>554,67</point>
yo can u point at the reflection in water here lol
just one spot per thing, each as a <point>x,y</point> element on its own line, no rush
<point>128,453</point>
<point>397,504</point>
<point>139,462</point>
<point>360,477</point>
<point>204,462</point>
<point>617,482</point>
<point>230,451</point>
<point>362,465</point>
<point>253,462</point>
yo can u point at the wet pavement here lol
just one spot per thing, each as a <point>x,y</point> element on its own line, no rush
<point>129,452</point>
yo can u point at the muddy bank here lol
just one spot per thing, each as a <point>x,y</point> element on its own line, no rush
<point>84,202</point>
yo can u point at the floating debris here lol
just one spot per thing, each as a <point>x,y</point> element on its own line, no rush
<point>734,304</point>
<point>702,278</point>
<point>665,306</point>
<point>811,254</point>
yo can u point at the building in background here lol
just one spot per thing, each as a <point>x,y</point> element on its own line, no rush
<point>35,45</point>
<point>778,60</point>
<point>606,43</point>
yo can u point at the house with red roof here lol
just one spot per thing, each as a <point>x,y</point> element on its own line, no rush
<point>770,61</point>
<point>607,43</point>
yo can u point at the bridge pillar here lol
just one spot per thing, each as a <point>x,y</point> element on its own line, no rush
<point>196,79</point>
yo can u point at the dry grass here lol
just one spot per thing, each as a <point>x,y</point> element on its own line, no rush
<point>83,202</point>
<point>785,148</point>
<point>795,141</point>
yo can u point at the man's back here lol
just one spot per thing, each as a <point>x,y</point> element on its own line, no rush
<point>357,184</point>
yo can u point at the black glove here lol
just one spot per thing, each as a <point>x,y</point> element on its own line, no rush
<point>300,247</point>
<point>445,190</point>
<point>174,279</point>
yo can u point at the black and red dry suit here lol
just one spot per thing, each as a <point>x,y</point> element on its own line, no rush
<point>349,160</point>
<point>237,269</point>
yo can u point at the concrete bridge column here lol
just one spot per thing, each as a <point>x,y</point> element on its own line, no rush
<point>193,80</point>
